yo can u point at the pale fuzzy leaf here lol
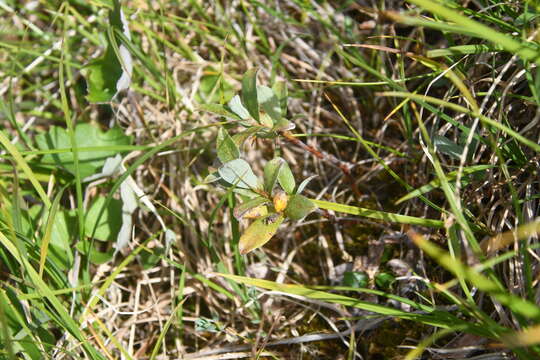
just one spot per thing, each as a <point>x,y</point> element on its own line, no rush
<point>269,102</point>
<point>235,104</point>
<point>238,172</point>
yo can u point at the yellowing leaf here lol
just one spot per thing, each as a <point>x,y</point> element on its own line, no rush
<point>259,233</point>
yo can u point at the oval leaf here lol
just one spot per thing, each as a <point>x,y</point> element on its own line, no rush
<point>271,172</point>
<point>259,233</point>
<point>286,178</point>
<point>238,172</point>
<point>269,102</point>
<point>226,148</point>
<point>249,93</point>
<point>299,207</point>
<point>237,108</point>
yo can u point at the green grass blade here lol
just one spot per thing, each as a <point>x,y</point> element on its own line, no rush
<point>376,214</point>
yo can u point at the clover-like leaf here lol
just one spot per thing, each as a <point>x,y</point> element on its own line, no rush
<point>256,204</point>
<point>299,207</point>
<point>259,233</point>
<point>238,172</point>
<point>249,93</point>
<point>271,173</point>
<point>286,178</point>
<point>226,148</point>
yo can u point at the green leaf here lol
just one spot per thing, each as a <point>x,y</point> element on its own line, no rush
<point>96,257</point>
<point>238,172</point>
<point>384,280</point>
<point>271,173</point>
<point>226,148</point>
<point>376,214</point>
<point>249,93</point>
<point>280,89</point>
<point>245,207</point>
<point>219,110</point>
<point>235,104</point>
<point>86,135</point>
<point>286,178</point>
<point>355,279</point>
<point>269,102</point>
<point>299,207</point>
<point>259,233</point>
<point>111,73</point>
<point>110,222</point>
<point>213,88</point>
<point>447,146</point>
<point>242,136</point>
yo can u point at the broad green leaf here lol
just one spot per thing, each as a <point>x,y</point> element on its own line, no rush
<point>376,214</point>
<point>299,207</point>
<point>111,73</point>
<point>238,172</point>
<point>259,233</point>
<point>271,172</point>
<point>249,93</point>
<point>96,257</point>
<point>384,280</point>
<point>213,88</point>
<point>235,104</point>
<point>226,148</point>
<point>355,279</point>
<point>286,178</point>
<point>447,146</point>
<point>86,135</point>
<point>242,209</point>
<point>109,223</point>
<point>269,102</point>
<point>280,89</point>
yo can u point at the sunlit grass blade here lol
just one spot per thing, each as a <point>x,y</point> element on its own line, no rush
<point>513,302</point>
<point>376,214</point>
<point>452,106</point>
<point>469,26</point>
<point>439,319</point>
